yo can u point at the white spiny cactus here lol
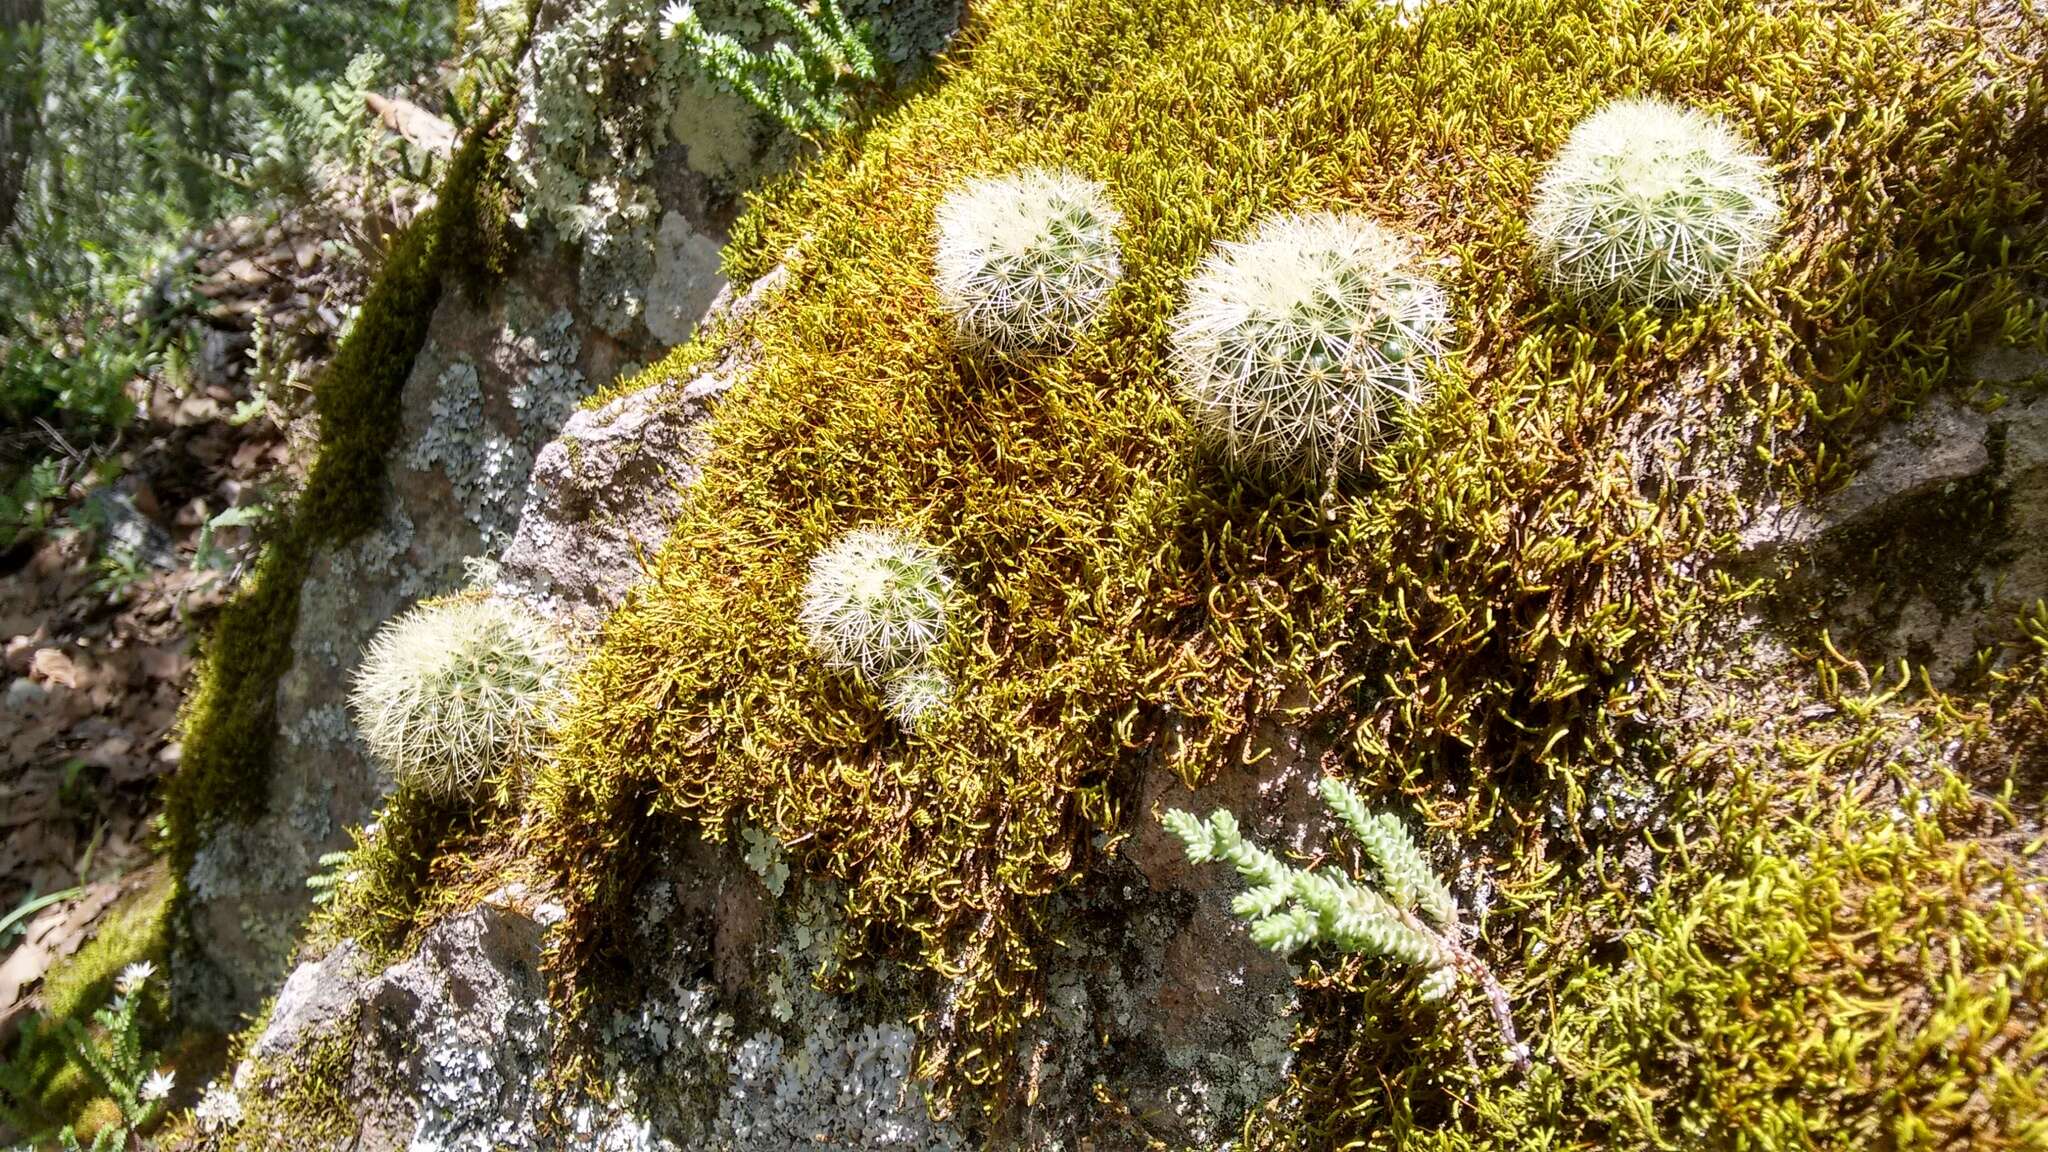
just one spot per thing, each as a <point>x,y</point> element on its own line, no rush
<point>916,694</point>
<point>453,693</point>
<point>1303,346</point>
<point>1649,203</point>
<point>1025,261</point>
<point>876,601</point>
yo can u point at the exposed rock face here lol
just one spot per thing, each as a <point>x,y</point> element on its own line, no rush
<point>606,488</point>
<point>1932,550</point>
<point>725,1039</point>
<point>498,377</point>
<point>441,1048</point>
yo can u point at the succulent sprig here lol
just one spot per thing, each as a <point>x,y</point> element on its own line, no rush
<point>1410,917</point>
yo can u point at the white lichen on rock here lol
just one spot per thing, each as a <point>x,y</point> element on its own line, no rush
<point>487,463</point>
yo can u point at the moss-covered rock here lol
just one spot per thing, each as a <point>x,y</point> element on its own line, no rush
<point>1742,890</point>
<point>1487,627</point>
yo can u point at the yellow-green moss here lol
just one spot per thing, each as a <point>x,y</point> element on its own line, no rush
<point>305,1105</point>
<point>43,1083</point>
<point>1848,949</point>
<point>1472,625</point>
<point>428,857</point>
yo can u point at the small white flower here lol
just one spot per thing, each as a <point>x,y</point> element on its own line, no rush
<point>218,1110</point>
<point>158,1086</point>
<point>675,16</point>
<point>133,977</point>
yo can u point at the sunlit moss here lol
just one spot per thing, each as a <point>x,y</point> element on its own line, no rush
<point>1473,624</point>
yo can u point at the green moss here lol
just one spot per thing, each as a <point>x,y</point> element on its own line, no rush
<point>1846,951</point>
<point>42,1084</point>
<point>1473,626</point>
<point>229,722</point>
<point>678,363</point>
<point>416,862</point>
<point>305,1105</point>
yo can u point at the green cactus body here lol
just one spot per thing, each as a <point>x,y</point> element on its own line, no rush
<point>1652,204</point>
<point>1306,345</point>
<point>915,695</point>
<point>453,693</point>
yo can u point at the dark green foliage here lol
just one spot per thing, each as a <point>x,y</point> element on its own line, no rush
<point>136,122</point>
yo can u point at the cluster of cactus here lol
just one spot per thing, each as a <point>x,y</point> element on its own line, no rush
<point>1304,345</point>
<point>1651,204</point>
<point>1411,917</point>
<point>456,693</point>
<point>1025,261</point>
<point>875,605</point>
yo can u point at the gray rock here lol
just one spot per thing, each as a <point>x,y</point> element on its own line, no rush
<point>686,278</point>
<point>1944,442</point>
<point>451,1037</point>
<point>605,491</point>
<point>498,376</point>
<point>603,495</point>
<point>444,1046</point>
<point>319,997</point>
<point>1935,546</point>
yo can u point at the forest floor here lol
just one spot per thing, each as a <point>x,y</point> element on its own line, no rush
<point>99,616</point>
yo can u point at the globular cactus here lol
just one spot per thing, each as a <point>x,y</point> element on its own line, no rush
<point>454,693</point>
<point>875,601</point>
<point>1652,204</point>
<point>1303,346</point>
<point>916,694</point>
<point>1025,261</point>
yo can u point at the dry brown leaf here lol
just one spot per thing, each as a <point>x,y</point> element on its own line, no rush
<point>53,665</point>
